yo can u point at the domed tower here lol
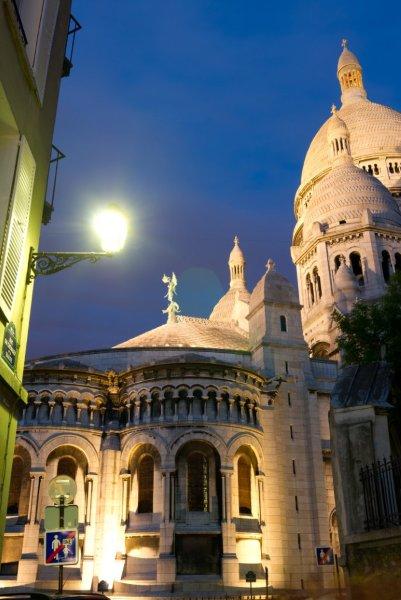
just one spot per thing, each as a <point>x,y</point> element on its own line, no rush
<point>233,307</point>
<point>347,211</point>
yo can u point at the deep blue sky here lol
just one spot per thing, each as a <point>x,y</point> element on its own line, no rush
<point>195,116</point>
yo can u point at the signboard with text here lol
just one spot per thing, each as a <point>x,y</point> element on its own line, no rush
<point>61,547</point>
<point>9,348</point>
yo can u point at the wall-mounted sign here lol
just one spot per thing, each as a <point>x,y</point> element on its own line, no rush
<point>9,349</point>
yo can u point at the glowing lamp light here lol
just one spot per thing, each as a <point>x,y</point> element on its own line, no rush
<point>111,227</point>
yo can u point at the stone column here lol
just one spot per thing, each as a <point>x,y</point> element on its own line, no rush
<point>148,401</point>
<point>166,563</point>
<point>190,408</point>
<point>125,482</point>
<point>129,415</point>
<point>230,408</point>
<point>108,534</point>
<point>162,401</point>
<point>137,414</point>
<point>229,560</point>
<point>90,530</point>
<point>218,402</point>
<point>28,563</point>
<point>51,408</point>
<point>242,411</point>
<point>204,400</point>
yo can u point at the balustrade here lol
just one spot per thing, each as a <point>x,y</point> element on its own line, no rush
<point>146,409</point>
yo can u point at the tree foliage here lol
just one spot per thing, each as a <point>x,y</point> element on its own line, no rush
<point>372,331</point>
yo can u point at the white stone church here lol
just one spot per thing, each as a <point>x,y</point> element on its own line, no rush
<point>201,448</point>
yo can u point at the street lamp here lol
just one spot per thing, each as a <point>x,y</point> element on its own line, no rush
<point>111,227</point>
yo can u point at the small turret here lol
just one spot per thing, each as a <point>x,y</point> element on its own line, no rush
<point>338,139</point>
<point>236,264</point>
<point>349,73</point>
<point>346,287</point>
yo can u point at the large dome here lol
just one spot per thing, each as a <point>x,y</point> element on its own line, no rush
<point>374,130</point>
<point>345,192</point>
<point>191,332</point>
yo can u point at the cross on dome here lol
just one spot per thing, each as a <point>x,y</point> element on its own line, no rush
<point>333,109</point>
<point>344,43</point>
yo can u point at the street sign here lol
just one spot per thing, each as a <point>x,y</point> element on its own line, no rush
<point>61,547</point>
<point>53,517</point>
<point>250,577</point>
<point>324,556</point>
<point>10,346</point>
<point>62,489</point>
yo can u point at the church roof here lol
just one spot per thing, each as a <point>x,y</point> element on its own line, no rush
<point>361,385</point>
<point>374,129</point>
<point>273,287</point>
<point>191,332</point>
<point>225,309</point>
<point>345,192</point>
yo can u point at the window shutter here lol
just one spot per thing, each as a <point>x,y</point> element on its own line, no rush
<point>17,226</point>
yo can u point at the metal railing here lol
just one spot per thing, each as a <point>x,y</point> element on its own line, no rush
<point>381,482</point>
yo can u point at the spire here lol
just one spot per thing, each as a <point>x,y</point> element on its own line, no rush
<point>236,264</point>
<point>349,73</point>
<point>338,139</point>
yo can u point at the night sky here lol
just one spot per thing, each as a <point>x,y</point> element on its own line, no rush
<point>194,116</point>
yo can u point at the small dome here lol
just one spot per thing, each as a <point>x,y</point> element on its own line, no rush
<point>273,287</point>
<point>236,254</point>
<point>344,278</point>
<point>346,59</point>
<point>345,192</point>
<point>335,125</point>
<point>190,332</point>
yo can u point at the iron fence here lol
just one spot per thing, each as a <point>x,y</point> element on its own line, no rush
<point>381,482</point>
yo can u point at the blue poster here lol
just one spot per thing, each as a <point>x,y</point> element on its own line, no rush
<point>61,547</point>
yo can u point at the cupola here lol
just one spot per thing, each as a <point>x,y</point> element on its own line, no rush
<point>338,139</point>
<point>349,73</point>
<point>236,263</point>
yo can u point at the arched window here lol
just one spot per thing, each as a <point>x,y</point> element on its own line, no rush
<point>356,266</point>
<point>320,350</point>
<point>67,466</point>
<point>317,283</point>
<point>386,265</point>
<point>198,482</point>
<point>337,262</point>
<point>15,486</point>
<point>244,486</point>
<point>145,484</point>
<point>283,323</point>
<point>397,264</point>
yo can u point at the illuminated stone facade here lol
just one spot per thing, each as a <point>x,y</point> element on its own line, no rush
<point>347,239</point>
<point>200,451</point>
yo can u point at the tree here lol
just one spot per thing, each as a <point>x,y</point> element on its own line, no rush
<point>372,331</point>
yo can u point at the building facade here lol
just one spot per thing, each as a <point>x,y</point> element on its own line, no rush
<point>33,39</point>
<point>200,450</point>
<point>347,239</point>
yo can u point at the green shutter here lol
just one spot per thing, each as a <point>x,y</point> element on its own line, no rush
<point>17,226</point>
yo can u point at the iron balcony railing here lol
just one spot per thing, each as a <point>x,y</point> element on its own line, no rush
<point>381,482</point>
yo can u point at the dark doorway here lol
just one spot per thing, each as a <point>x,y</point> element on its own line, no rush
<point>198,554</point>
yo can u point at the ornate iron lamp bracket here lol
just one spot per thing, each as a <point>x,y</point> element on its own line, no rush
<point>47,263</point>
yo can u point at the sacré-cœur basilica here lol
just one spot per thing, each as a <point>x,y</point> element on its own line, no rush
<point>201,448</point>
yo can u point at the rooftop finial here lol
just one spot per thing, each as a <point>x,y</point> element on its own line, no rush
<point>344,43</point>
<point>236,240</point>
<point>173,308</point>
<point>271,265</point>
<point>333,109</point>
